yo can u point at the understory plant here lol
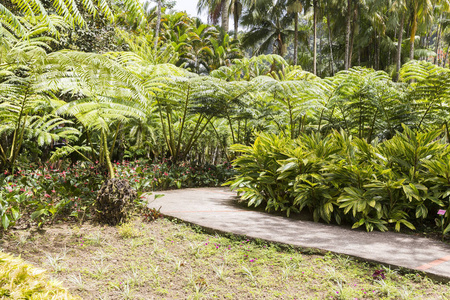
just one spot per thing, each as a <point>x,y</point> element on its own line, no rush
<point>43,194</point>
<point>399,182</point>
<point>19,280</point>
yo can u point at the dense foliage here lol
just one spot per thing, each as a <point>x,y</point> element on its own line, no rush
<point>20,280</point>
<point>183,94</point>
<point>400,181</point>
<point>43,194</point>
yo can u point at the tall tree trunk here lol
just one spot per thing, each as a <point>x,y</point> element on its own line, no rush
<point>330,41</point>
<point>347,34</point>
<point>438,41</point>
<point>296,39</point>
<point>375,46</point>
<point>158,24</point>
<point>375,51</point>
<point>428,37</point>
<point>399,45</point>
<point>379,53</point>
<point>352,36</point>
<point>413,30</point>
<point>359,56</point>
<point>320,50</point>
<point>225,15</point>
<point>444,62</point>
<point>315,38</point>
<point>236,20</point>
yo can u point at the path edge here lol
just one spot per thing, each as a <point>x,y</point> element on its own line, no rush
<point>210,230</point>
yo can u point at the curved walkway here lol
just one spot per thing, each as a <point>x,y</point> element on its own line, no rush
<point>216,209</point>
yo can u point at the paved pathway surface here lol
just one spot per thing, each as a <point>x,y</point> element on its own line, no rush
<point>215,208</point>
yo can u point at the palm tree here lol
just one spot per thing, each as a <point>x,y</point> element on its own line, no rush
<point>225,50</point>
<point>216,9</point>
<point>347,58</point>
<point>175,30</point>
<point>236,7</point>
<point>158,24</point>
<point>270,27</point>
<point>222,9</point>
<point>295,7</point>
<point>442,11</point>
<point>328,7</point>
<point>198,57</point>
<point>315,37</point>
<point>420,10</point>
<point>399,7</point>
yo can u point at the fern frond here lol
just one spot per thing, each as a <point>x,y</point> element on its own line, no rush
<point>8,19</point>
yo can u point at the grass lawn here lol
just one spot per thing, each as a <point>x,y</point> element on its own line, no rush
<point>170,260</point>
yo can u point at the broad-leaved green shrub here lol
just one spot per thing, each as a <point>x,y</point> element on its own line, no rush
<point>403,181</point>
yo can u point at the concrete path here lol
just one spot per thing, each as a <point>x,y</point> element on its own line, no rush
<point>215,208</point>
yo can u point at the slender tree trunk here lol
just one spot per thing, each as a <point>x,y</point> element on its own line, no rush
<point>375,50</point>
<point>330,41</point>
<point>183,121</point>
<point>194,142</point>
<point>171,131</point>
<point>320,49</point>
<point>114,140</point>
<point>379,53</point>
<point>296,39</point>
<point>413,31</point>
<point>315,38</point>
<point>446,57</point>
<point>236,20</point>
<point>428,38</point>
<point>352,36</point>
<point>422,42</point>
<point>111,171</point>
<point>347,34</point>
<point>389,58</point>
<point>225,15</point>
<point>158,24</point>
<point>359,56</point>
<point>163,126</point>
<point>438,40</point>
<point>390,52</point>
<point>399,45</point>
<point>280,45</point>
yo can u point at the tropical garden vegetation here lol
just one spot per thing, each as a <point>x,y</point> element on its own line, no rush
<point>106,85</point>
<point>339,108</point>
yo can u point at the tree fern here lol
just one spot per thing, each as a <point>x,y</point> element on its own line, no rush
<point>10,22</point>
<point>68,9</point>
<point>430,91</point>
